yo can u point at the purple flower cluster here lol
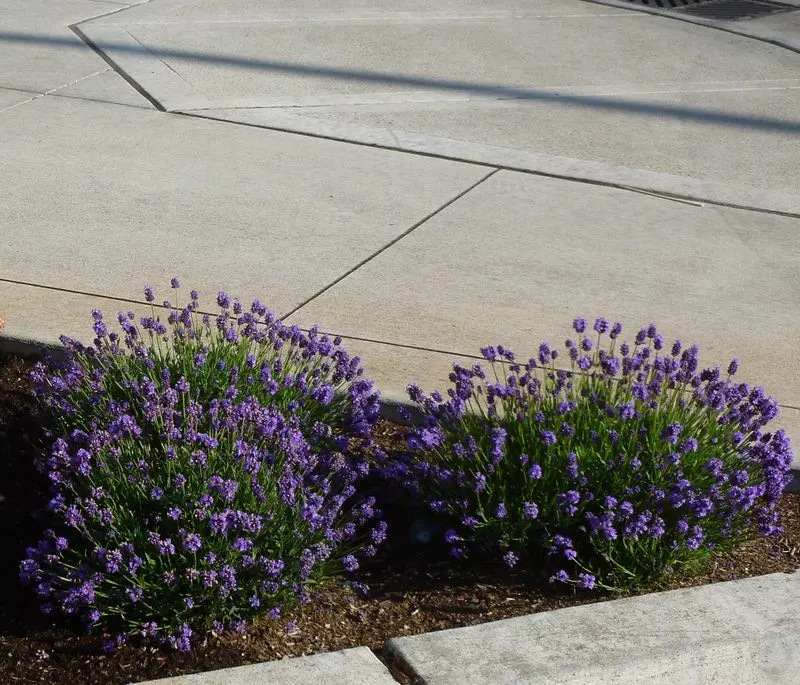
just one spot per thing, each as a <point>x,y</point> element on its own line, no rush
<point>623,463</point>
<point>200,470</point>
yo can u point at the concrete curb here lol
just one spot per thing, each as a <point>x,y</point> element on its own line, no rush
<point>357,665</point>
<point>743,632</point>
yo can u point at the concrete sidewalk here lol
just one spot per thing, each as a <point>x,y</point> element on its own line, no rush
<point>420,180</point>
<point>523,84</point>
<point>103,193</point>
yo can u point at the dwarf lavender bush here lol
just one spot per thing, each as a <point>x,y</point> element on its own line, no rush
<point>200,471</point>
<point>627,465</point>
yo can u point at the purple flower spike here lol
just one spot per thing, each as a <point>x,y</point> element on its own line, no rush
<point>637,446</point>
<point>548,437</point>
<point>179,451</point>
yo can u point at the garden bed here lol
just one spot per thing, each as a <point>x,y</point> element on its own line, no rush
<point>413,589</point>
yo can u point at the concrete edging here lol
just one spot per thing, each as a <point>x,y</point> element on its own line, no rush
<point>344,667</point>
<point>744,632</point>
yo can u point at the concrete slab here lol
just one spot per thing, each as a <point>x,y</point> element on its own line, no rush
<point>15,13</point>
<point>107,86</point>
<point>11,98</point>
<point>518,257</point>
<point>122,196</point>
<point>35,63</point>
<point>245,10</point>
<point>513,158</point>
<point>431,48</point>
<point>573,79</point>
<point>744,632</point>
<point>349,666</point>
<point>39,315</point>
<point>709,151</point>
<point>37,50</point>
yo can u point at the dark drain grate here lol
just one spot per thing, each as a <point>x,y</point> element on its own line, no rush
<point>735,9</point>
<point>669,4</point>
<point>720,9</point>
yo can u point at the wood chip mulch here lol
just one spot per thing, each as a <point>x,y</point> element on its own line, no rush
<point>414,594</point>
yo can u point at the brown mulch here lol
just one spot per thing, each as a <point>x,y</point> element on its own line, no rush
<point>410,593</point>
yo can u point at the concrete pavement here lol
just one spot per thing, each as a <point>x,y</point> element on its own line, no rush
<point>422,181</point>
<point>103,192</point>
<point>527,84</point>
<point>358,665</point>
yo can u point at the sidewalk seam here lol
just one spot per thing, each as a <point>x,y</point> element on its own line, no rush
<point>394,662</point>
<point>116,67</point>
<point>392,242</point>
<point>32,343</point>
<point>75,28</point>
<point>675,197</point>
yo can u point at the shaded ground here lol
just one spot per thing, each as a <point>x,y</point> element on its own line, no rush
<point>419,594</point>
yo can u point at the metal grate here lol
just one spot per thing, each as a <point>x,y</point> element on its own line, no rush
<point>720,9</point>
<point>668,4</point>
<point>735,9</point>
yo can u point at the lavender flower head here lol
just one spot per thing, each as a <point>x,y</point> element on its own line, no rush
<point>627,449</point>
<point>186,451</point>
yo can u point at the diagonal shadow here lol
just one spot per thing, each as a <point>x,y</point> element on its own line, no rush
<point>603,103</point>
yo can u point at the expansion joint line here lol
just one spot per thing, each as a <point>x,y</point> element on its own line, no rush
<point>392,242</point>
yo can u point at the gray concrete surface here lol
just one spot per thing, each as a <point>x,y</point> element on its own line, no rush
<point>626,139</point>
<point>518,257</point>
<point>29,61</point>
<point>347,667</point>
<point>560,166</point>
<point>10,97</point>
<point>125,195</point>
<point>745,632</point>
<point>574,79</point>
<point>107,86</point>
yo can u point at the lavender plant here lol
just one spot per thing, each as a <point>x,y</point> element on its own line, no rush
<point>626,465</point>
<point>201,471</point>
